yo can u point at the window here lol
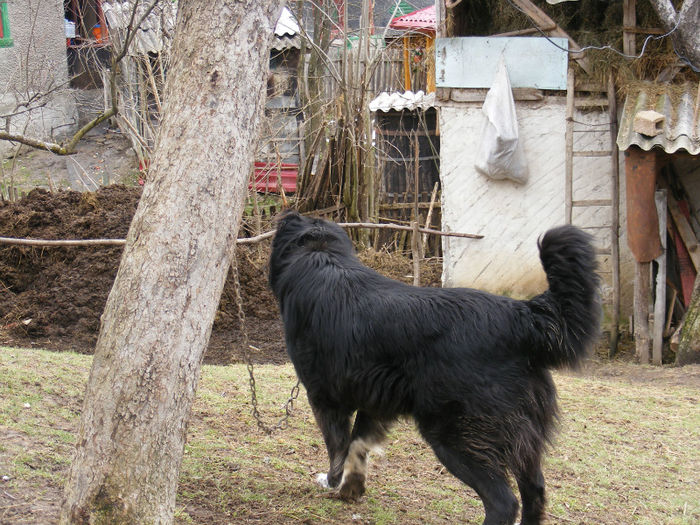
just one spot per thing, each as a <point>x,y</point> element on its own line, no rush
<point>5,38</point>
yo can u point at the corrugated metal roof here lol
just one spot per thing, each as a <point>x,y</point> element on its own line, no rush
<point>286,24</point>
<point>400,101</point>
<point>150,37</point>
<point>287,32</point>
<point>680,106</point>
<point>422,20</point>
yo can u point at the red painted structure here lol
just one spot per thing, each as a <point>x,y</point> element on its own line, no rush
<point>424,21</point>
<point>266,176</point>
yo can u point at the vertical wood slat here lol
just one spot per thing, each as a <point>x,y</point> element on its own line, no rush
<point>568,186</point>
<point>615,216</point>
<point>660,296</point>
<point>629,20</point>
<point>642,290</point>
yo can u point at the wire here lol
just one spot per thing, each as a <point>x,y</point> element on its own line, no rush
<point>602,48</point>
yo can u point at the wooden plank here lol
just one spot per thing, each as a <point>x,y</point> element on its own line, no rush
<point>642,292</point>
<point>591,87</point>
<point>406,65</point>
<point>660,296</point>
<point>615,217</point>
<point>529,31</point>
<point>479,95</point>
<point>629,19</point>
<point>569,161</point>
<point>542,21</point>
<point>592,153</point>
<point>685,230</point>
<point>472,62</point>
<point>592,103</point>
<point>406,205</point>
<point>585,203</point>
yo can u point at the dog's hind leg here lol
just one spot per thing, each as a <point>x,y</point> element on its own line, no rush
<point>367,434</point>
<point>335,427</point>
<point>489,482</point>
<point>531,485</point>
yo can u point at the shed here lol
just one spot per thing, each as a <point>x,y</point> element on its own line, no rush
<point>660,135</point>
<point>408,158</point>
<point>566,128</point>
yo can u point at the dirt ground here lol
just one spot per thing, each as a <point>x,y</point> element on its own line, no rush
<point>53,297</point>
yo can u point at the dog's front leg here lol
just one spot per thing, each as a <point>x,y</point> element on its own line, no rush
<point>335,427</point>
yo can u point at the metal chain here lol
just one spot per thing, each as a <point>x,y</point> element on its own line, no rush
<point>289,405</point>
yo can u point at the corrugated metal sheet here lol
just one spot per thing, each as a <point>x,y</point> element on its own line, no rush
<point>286,42</point>
<point>680,107</point>
<point>149,38</point>
<point>266,177</point>
<point>286,24</point>
<point>287,32</point>
<point>400,101</point>
<point>422,20</point>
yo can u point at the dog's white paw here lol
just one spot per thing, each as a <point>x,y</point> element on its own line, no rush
<point>322,480</point>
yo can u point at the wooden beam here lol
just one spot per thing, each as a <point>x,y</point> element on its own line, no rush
<point>660,295</point>
<point>629,20</point>
<point>542,20</point>
<point>569,152</point>
<point>685,230</point>
<point>406,64</point>
<point>642,293</point>
<point>615,216</point>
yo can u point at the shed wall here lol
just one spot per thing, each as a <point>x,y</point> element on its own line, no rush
<point>513,216</point>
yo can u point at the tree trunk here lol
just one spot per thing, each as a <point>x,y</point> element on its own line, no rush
<point>158,317</point>
<point>689,344</point>
<point>684,24</point>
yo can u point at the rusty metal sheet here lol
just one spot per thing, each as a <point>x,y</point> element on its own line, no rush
<point>642,220</point>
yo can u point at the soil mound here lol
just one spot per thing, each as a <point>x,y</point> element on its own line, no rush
<point>53,297</point>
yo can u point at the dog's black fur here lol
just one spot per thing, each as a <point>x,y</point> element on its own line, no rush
<point>471,368</point>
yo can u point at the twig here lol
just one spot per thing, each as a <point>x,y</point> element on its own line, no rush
<point>408,228</point>
<point>415,251</point>
<point>72,242</point>
<point>243,240</point>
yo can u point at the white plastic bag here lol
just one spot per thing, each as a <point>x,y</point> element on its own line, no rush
<point>500,154</point>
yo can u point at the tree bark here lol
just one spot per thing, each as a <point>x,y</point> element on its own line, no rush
<point>686,37</point>
<point>689,344</point>
<point>159,314</point>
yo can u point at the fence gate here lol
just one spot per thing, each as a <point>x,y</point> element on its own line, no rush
<point>408,159</point>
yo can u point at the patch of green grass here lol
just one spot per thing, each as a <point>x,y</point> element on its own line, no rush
<point>627,451</point>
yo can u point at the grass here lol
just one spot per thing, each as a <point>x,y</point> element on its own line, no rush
<point>628,451</point>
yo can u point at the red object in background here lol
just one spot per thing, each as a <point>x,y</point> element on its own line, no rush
<point>423,20</point>
<point>685,264</point>
<point>266,177</point>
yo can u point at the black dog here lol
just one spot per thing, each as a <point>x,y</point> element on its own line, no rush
<point>471,368</point>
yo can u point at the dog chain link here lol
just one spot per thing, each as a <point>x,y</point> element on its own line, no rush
<point>283,422</point>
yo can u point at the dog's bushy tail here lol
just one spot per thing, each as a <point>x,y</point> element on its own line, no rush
<point>567,316</point>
